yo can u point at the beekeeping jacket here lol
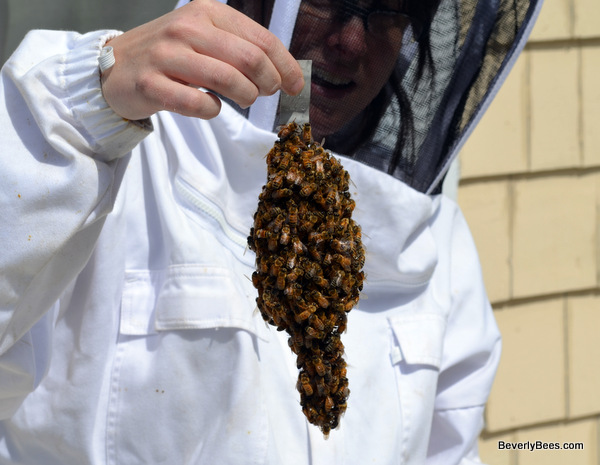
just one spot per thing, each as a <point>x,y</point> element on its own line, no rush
<point>128,324</point>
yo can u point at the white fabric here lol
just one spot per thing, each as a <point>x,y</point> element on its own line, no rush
<point>128,330</point>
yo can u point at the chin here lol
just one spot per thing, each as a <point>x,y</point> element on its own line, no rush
<point>323,124</point>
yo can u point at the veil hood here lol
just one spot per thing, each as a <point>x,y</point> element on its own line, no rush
<point>472,45</point>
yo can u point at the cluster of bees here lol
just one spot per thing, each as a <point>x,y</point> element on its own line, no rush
<point>309,259</point>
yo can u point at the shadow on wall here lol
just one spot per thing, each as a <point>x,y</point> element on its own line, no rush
<point>18,17</point>
<point>3,27</point>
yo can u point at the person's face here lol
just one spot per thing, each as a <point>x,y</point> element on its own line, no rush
<point>350,63</point>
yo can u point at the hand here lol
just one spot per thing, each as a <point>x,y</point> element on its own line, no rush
<point>205,43</point>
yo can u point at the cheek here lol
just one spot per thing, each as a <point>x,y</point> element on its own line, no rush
<point>380,67</point>
<point>383,60</point>
<point>304,38</point>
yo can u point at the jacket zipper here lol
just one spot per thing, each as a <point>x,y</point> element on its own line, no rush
<point>201,204</point>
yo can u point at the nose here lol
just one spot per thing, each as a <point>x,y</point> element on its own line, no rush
<point>349,38</point>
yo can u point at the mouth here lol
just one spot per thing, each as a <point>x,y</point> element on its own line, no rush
<point>331,81</point>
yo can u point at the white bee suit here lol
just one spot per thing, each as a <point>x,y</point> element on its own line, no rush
<point>128,324</point>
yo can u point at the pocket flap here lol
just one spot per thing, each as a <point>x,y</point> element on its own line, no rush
<point>419,339</point>
<point>186,297</point>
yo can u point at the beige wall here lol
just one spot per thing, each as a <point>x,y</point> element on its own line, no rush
<point>530,189</point>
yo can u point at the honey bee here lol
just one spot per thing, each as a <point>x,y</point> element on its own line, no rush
<point>303,208</point>
<point>343,261</point>
<point>294,176</point>
<point>272,242</point>
<point>309,222</point>
<point>334,384</point>
<point>336,278</point>
<point>328,403</point>
<point>304,384</point>
<point>262,234</point>
<point>342,245</point>
<point>319,169</point>
<point>332,195</point>
<point>310,413</point>
<point>340,321</point>
<point>358,262</point>
<point>294,275</point>
<point>311,269</point>
<point>307,162</point>
<point>273,153</point>
<point>349,207</point>
<point>332,294</point>
<point>256,279</point>
<point>319,299</point>
<point>281,193</point>
<point>308,188</point>
<point>333,344</point>
<point>293,291</point>
<point>281,279</point>
<point>306,314</point>
<point>290,261</point>
<point>296,341</point>
<point>349,304</point>
<point>320,200</point>
<point>286,131</point>
<point>336,166</point>
<point>306,134</point>
<point>315,322</point>
<point>276,266</point>
<point>317,237</point>
<point>318,364</point>
<point>275,182</point>
<point>277,223</point>
<point>321,281</point>
<point>320,382</point>
<point>348,283</point>
<point>314,253</point>
<point>262,265</point>
<point>315,333</point>
<point>298,246</point>
<point>284,237</point>
<point>292,214</point>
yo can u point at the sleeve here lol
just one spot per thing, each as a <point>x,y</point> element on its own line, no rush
<point>64,152</point>
<point>472,347</point>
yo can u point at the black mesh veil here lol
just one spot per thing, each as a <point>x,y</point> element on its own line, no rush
<point>422,92</point>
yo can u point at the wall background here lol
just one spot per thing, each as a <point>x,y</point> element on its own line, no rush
<point>17,17</point>
<point>530,190</point>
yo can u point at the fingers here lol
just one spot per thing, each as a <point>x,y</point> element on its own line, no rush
<point>166,94</point>
<point>204,44</point>
<point>219,77</point>
<point>137,99</point>
<point>280,62</point>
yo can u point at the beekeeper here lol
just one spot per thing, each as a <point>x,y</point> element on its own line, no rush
<point>128,329</point>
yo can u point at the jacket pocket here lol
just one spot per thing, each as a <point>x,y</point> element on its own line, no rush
<point>186,297</point>
<point>416,353</point>
<point>418,339</point>
<point>185,384</point>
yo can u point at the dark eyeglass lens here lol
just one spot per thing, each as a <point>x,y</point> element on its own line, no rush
<point>388,24</point>
<point>380,23</point>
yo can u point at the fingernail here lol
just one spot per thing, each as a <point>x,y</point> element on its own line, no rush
<point>297,87</point>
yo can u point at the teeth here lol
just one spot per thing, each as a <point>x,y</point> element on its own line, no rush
<point>331,78</point>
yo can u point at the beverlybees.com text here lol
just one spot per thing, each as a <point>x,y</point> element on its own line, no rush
<point>539,445</point>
